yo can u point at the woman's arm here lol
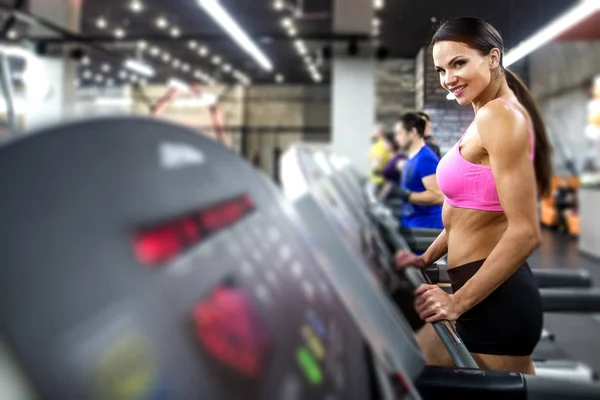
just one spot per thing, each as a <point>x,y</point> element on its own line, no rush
<point>437,250</point>
<point>503,133</point>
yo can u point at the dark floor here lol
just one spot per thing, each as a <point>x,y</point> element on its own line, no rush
<point>577,335</point>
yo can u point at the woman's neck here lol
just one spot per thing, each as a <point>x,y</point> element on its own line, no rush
<point>497,88</point>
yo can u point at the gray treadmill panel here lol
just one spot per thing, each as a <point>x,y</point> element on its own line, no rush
<point>141,260</point>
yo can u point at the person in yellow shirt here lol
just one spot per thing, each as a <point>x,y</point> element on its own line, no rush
<point>379,155</point>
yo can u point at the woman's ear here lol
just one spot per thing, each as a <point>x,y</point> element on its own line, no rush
<point>494,58</point>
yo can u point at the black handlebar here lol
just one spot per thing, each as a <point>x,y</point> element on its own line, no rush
<point>445,330</point>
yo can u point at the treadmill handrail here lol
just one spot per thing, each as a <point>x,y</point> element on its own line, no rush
<point>445,330</point>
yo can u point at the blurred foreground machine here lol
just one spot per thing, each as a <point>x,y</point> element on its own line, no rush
<point>140,260</point>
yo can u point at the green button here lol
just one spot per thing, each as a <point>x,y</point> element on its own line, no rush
<point>309,366</point>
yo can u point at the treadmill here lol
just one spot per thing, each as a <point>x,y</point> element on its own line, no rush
<point>550,360</point>
<point>142,260</point>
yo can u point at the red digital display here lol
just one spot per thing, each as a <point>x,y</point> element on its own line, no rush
<point>166,241</point>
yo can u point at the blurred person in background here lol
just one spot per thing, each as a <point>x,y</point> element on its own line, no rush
<point>429,140</point>
<point>379,155</point>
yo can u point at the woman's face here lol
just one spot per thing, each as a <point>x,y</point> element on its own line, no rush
<point>463,70</point>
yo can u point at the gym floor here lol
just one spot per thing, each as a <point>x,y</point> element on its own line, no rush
<point>576,335</point>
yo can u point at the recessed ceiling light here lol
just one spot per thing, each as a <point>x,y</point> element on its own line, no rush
<point>176,63</point>
<point>279,78</point>
<point>278,5</point>
<point>292,31</point>
<point>162,22</point>
<point>105,68</point>
<point>85,61</point>
<point>155,51</point>
<point>287,22</point>
<point>119,33</point>
<point>110,82</point>
<point>99,78</point>
<point>433,20</point>
<point>203,51</point>
<point>123,75</point>
<point>192,44</point>
<point>216,60</point>
<point>227,68</point>
<point>136,6</point>
<point>12,34</point>
<point>175,32</point>
<point>87,74</point>
<point>166,57</point>
<point>186,67</point>
<point>378,4</point>
<point>142,45</point>
<point>376,22</point>
<point>101,23</point>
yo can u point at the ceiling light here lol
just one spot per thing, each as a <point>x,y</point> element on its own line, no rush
<point>227,68</point>
<point>287,22</point>
<point>119,33</point>
<point>87,74</point>
<point>101,23</point>
<point>166,57</point>
<point>278,5</point>
<point>85,61</point>
<point>76,82</point>
<point>551,30</point>
<point>222,17</point>
<point>154,51</point>
<point>162,23</point>
<point>378,4</point>
<point>99,78</point>
<point>292,31</point>
<point>376,22</point>
<point>300,46</point>
<point>140,68</point>
<point>110,82</point>
<point>123,75</point>
<point>12,34</point>
<point>136,6</point>
<point>176,63</point>
<point>192,44</point>
<point>142,44</point>
<point>203,51</point>
<point>216,60</point>
<point>177,84</point>
<point>186,67</point>
<point>105,68</point>
<point>175,32</point>
<point>279,78</point>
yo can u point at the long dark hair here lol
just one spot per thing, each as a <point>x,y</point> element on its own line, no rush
<point>483,37</point>
<point>413,120</point>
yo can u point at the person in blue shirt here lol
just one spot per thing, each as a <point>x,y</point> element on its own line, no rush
<point>422,197</point>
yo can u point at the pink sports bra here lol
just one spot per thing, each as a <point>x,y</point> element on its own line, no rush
<point>468,185</point>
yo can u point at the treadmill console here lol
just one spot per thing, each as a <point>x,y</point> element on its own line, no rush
<point>141,260</point>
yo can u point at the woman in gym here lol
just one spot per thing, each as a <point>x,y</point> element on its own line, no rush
<point>491,181</point>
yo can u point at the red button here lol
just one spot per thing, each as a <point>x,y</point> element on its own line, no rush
<point>232,332</point>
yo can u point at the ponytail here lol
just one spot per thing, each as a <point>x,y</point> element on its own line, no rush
<point>543,156</point>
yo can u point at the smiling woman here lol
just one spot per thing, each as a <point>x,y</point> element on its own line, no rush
<point>491,180</point>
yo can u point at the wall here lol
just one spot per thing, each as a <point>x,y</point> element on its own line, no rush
<point>395,90</point>
<point>560,78</point>
<point>277,116</point>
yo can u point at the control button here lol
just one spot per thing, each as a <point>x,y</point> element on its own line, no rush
<point>309,366</point>
<point>316,323</point>
<point>232,332</point>
<point>127,370</point>
<point>313,342</point>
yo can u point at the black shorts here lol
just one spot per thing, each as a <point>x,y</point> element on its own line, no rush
<point>509,321</point>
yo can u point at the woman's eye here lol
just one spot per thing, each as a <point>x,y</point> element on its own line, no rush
<point>459,63</point>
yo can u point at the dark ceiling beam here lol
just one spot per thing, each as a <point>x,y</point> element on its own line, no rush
<point>262,38</point>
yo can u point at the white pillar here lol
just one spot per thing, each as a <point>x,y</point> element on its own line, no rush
<point>50,90</point>
<point>353,86</point>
